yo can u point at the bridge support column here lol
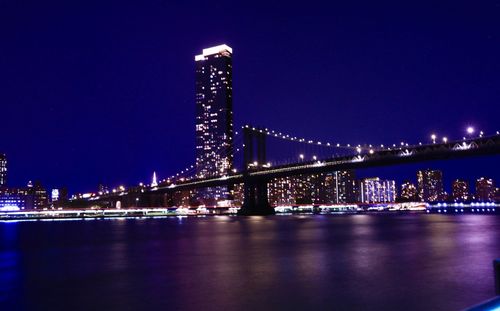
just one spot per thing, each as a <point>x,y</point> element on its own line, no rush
<point>256,200</point>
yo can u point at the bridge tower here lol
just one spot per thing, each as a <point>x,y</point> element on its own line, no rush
<point>255,190</point>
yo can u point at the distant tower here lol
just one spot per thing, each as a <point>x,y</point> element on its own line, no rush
<point>154,183</point>
<point>214,115</point>
<point>3,170</point>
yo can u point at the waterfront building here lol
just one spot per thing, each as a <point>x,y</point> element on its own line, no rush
<point>184,198</point>
<point>281,191</point>
<point>375,190</point>
<point>408,191</point>
<point>14,198</point>
<point>214,117</point>
<point>302,189</point>
<point>237,194</point>
<point>485,189</point>
<point>12,201</point>
<point>460,191</point>
<point>37,196</point>
<point>54,195</point>
<point>316,189</point>
<point>3,170</point>
<point>430,185</point>
<point>343,184</point>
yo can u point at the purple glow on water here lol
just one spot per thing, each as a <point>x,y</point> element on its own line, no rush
<point>357,262</point>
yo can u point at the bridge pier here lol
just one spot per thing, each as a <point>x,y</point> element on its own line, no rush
<point>255,200</point>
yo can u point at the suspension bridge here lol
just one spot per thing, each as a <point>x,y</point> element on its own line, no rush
<point>257,171</point>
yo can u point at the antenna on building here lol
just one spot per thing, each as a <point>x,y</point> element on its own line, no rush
<point>154,183</point>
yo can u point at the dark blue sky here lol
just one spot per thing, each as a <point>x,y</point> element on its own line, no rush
<point>104,91</point>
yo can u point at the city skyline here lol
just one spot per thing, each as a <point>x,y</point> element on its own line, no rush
<point>263,155</point>
<point>114,125</point>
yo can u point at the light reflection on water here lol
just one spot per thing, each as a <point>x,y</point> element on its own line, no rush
<point>352,262</point>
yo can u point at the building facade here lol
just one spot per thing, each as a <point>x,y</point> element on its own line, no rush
<point>375,190</point>
<point>460,190</point>
<point>430,185</point>
<point>344,187</point>
<point>485,189</point>
<point>408,191</point>
<point>214,116</point>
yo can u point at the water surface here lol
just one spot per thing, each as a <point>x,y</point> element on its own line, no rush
<point>355,262</point>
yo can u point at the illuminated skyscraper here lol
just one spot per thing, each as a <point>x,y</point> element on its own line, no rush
<point>214,115</point>
<point>460,190</point>
<point>3,170</point>
<point>485,189</point>
<point>430,185</point>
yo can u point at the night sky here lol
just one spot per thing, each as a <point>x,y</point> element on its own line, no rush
<point>103,91</point>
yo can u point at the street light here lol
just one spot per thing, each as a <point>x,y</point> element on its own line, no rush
<point>301,156</point>
<point>433,137</point>
<point>470,130</point>
<point>445,140</point>
<point>315,158</point>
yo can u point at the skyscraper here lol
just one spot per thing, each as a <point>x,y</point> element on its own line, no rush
<point>430,185</point>
<point>3,170</point>
<point>214,115</point>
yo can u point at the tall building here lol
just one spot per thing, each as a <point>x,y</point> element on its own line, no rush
<point>375,190</point>
<point>485,189</point>
<point>460,190</point>
<point>3,170</point>
<point>214,116</point>
<point>430,185</point>
<point>408,191</point>
<point>344,187</point>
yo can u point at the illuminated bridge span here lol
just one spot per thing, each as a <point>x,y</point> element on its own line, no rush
<point>257,172</point>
